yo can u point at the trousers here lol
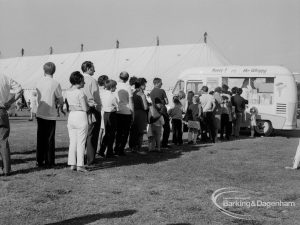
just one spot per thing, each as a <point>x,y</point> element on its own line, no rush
<point>4,145</point>
<point>78,128</point>
<point>45,148</point>
<point>92,137</point>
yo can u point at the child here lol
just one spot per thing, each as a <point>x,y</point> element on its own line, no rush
<point>253,112</point>
<point>34,105</point>
<point>193,115</point>
<point>176,115</point>
<point>101,82</point>
<point>77,122</point>
<point>109,107</point>
<point>156,122</point>
<point>225,117</point>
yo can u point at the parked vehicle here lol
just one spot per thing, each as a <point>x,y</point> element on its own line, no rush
<point>271,89</point>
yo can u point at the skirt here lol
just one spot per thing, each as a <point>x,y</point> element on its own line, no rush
<point>194,124</point>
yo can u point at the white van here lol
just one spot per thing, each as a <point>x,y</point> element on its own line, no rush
<point>271,89</point>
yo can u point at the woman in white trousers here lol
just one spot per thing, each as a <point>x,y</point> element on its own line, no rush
<point>77,122</point>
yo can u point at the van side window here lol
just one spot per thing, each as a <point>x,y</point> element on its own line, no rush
<point>257,90</point>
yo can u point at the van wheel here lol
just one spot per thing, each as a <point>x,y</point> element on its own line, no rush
<point>264,127</point>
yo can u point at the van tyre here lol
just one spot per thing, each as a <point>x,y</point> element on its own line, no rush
<point>264,127</point>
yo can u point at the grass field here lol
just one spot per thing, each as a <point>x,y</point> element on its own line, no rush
<point>174,187</point>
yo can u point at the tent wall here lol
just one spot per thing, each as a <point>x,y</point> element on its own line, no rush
<point>166,62</point>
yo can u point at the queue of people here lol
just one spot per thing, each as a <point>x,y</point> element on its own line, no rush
<point>105,115</point>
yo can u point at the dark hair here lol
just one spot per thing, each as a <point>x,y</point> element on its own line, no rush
<point>234,90</point>
<point>156,80</point>
<point>157,101</point>
<point>102,79</point>
<point>132,80</point>
<point>176,101</point>
<point>140,82</point>
<point>110,84</point>
<point>205,89</point>
<point>76,78</point>
<point>211,92</point>
<point>124,76</point>
<point>49,68</point>
<point>190,96</point>
<point>218,89</point>
<point>86,66</point>
<point>239,91</point>
<point>225,87</point>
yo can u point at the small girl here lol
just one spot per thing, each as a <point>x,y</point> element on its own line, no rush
<point>253,112</point>
<point>77,122</point>
<point>34,105</point>
<point>156,122</point>
<point>176,115</point>
<point>193,115</point>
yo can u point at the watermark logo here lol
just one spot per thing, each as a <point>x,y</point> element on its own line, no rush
<point>244,204</point>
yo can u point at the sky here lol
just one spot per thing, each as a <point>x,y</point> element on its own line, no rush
<point>246,32</point>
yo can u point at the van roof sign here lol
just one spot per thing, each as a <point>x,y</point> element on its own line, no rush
<point>269,71</point>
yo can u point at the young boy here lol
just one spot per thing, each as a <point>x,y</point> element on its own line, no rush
<point>156,121</point>
<point>176,115</point>
<point>194,112</point>
<point>110,107</point>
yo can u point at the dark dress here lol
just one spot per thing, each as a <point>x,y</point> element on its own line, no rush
<point>139,126</point>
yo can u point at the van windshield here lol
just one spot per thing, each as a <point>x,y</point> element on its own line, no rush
<point>179,86</point>
<point>257,90</point>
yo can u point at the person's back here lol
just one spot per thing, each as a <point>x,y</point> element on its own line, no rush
<point>176,112</point>
<point>48,92</point>
<point>207,101</point>
<point>238,102</point>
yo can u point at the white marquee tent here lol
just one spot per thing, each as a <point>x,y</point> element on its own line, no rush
<point>165,62</point>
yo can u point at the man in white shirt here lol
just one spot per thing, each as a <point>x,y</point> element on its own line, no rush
<point>49,95</point>
<point>208,106</point>
<point>124,114</point>
<point>7,85</point>
<point>91,90</point>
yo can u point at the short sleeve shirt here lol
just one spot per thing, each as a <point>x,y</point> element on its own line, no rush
<point>49,91</point>
<point>123,93</point>
<point>75,97</point>
<point>158,93</point>
<point>207,101</point>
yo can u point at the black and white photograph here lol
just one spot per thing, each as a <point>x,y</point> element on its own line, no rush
<point>150,112</point>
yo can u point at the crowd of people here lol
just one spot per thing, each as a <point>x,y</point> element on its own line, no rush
<point>119,113</point>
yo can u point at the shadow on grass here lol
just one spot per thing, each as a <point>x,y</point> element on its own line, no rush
<point>25,160</point>
<point>34,169</point>
<point>34,151</point>
<point>129,159</point>
<point>94,217</point>
<point>146,157</point>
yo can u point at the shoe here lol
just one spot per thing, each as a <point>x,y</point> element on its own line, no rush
<point>72,167</point>
<point>101,154</point>
<point>110,156</point>
<point>82,169</point>
<point>30,120</point>
<point>40,165</point>
<point>290,168</point>
<point>190,143</point>
<point>166,146</point>
<point>120,154</point>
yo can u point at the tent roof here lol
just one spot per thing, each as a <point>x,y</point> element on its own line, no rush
<point>166,62</point>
